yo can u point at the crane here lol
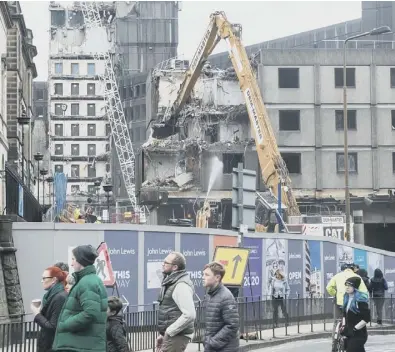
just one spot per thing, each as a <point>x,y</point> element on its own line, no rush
<point>274,170</point>
<point>114,109</point>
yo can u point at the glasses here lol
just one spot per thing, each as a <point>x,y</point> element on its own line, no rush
<point>167,263</point>
<point>46,277</point>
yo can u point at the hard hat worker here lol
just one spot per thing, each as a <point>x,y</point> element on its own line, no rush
<point>82,321</point>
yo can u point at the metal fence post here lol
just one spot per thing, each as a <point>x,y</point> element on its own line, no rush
<point>297,312</point>
<point>311,313</point>
<point>392,310</point>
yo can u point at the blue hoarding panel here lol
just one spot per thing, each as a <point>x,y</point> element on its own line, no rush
<point>195,248</point>
<point>122,247</point>
<point>253,277</point>
<point>157,246</point>
<point>361,258</point>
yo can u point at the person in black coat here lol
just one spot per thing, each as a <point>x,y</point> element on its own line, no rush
<point>356,314</point>
<point>221,312</point>
<point>116,331</point>
<point>47,314</point>
<point>377,287</point>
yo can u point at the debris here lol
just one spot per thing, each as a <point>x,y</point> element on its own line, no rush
<point>183,179</point>
<point>170,144</point>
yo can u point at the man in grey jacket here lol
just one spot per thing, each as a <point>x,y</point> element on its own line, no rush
<point>222,316</point>
<point>177,313</point>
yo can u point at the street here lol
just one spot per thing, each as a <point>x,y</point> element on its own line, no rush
<point>382,343</point>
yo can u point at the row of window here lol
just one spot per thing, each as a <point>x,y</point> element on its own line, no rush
<point>135,113</point>
<point>75,149</point>
<point>75,68</point>
<point>75,89</point>
<point>75,109</point>
<point>288,77</point>
<point>92,189</point>
<point>75,130</point>
<point>136,91</point>
<point>75,170</point>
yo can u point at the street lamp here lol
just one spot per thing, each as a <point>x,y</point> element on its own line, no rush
<point>108,188</point>
<point>38,157</point>
<point>375,31</point>
<point>43,173</point>
<point>23,121</point>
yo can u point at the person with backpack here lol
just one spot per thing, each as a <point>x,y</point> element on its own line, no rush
<point>364,276</point>
<point>377,287</point>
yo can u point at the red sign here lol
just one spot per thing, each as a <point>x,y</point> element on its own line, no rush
<point>103,266</point>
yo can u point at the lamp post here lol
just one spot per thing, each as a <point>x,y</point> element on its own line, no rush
<point>43,173</point>
<point>108,188</point>
<point>23,121</point>
<point>38,157</point>
<point>375,31</point>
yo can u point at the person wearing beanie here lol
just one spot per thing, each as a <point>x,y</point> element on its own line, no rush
<point>356,314</point>
<point>82,321</point>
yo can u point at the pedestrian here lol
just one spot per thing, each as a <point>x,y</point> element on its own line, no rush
<point>364,276</point>
<point>116,331</point>
<point>47,314</point>
<point>221,312</point>
<point>280,292</point>
<point>176,316</point>
<point>70,281</point>
<point>356,315</point>
<point>377,287</point>
<point>82,322</point>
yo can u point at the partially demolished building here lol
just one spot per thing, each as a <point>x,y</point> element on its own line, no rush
<point>214,126</point>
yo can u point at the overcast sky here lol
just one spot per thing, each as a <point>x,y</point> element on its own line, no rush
<point>261,21</point>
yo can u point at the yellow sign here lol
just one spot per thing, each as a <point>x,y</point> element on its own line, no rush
<point>235,261</point>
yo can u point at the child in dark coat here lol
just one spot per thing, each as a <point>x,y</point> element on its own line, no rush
<point>116,331</point>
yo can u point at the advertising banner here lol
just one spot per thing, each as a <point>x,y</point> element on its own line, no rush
<point>195,249</point>
<point>122,248</point>
<point>330,265</point>
<point>314,277</point>
<point>157,246</point>
<point>389,273</point>
<point>276,258</point>
<point>334,231</point>
<point>360,258</point>
<point>295,268</point>
<point>345,254</point>
<point>252,286</point>
<point>375,260</point>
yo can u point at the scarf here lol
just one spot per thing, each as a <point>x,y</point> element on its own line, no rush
<point>169,280</point>
<point>55,289</point>
<point>358,297</point>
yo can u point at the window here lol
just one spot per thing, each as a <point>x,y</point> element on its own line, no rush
<point>39,111</point>
<point>75,149</point>
<point>288,77</point>
<point>91,110</point>
<point>91,171</point>
<point>91,69</point>
<point>90,89</point>
<point>393,119</point>
<point>58,168</point>
<point>92,189</point>
<point>75,89</point>
<point>289,120</point>
<point>58,130</point>
<point>350,77</point>
<point>231,161</point>
<point>108,129</point>
<point>58,109</point>
<point>58,89</point>
<point>91,149</point>
<point>58,149</point>
<point>91,130</point>
<point>40,94</point>
<point>75,69</point>
<point>75,188</point>
<point>107,148</point>
<point>108,167</point>
<point>75,130</point>
<point>392,77</point>
<point>75,109</point>
<point>143,89</point>
<point>75,171</point>
<point>58,68</point>
<point>137,91</point>
<point>143,112</point>
<point>352,162</point>
<point>293,162</point>
<point>351,120</point>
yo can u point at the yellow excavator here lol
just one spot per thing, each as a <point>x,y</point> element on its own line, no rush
<point>274,170</point>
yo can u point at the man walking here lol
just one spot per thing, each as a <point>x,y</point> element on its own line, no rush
<point>176,307</point>
<point>82,321</point>
<point>222,316</point>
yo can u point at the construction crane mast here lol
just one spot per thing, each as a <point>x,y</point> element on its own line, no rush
<point>114,109</point>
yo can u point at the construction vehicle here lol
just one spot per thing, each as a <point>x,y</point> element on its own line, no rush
<point>274,171</point>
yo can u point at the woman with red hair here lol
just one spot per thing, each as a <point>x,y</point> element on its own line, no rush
<point>46,316</point>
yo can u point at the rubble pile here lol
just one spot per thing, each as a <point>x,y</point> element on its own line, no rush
<point>189,144</point>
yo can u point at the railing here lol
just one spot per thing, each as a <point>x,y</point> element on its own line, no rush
<point>25,205</point>
<point>256,317</point>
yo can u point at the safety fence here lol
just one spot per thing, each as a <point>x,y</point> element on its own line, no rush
<point>257,315</point>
